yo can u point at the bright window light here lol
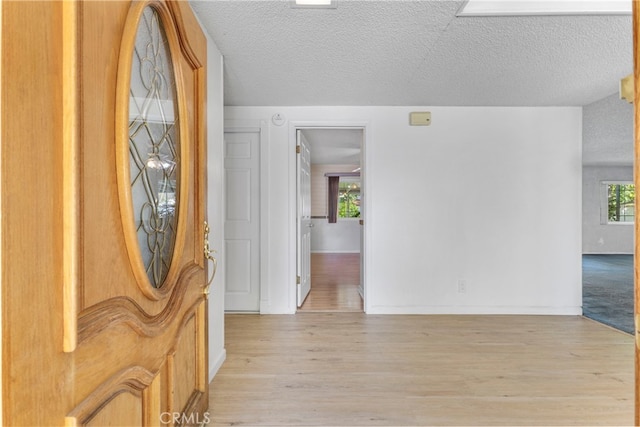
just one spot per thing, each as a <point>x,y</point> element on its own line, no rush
<point>544,7</point>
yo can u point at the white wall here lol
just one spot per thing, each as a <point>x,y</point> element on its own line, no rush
<point>340,237</point>
<point>607,156</point>
<point>215,195</point>
<point>491,196</point>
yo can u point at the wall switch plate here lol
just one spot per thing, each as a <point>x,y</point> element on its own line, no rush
<point>420,118</point>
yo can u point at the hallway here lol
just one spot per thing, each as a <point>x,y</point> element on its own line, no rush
<point>335,278</point>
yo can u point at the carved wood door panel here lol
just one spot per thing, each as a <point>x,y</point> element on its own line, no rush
<point>141,323</point>
<point>125,315</point>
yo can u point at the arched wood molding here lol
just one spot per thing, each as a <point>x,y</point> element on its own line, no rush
<point>183,38</point>
<point>132,380</point>
<point>136,379</point>
<point>111,312</point>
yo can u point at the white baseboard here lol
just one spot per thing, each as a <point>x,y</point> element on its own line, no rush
<point>607,253</point>
<point>335,252</point>
<point>488,310</point>
<point>217,364</point>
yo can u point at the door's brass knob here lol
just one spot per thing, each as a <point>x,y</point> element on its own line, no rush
<point>208,255</point>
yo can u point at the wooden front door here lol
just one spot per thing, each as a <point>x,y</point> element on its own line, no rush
<point>104,305</point>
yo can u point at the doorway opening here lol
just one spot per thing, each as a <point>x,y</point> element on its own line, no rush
<point>336,249</point>
<point>607,290</point>
<point>335,278</point>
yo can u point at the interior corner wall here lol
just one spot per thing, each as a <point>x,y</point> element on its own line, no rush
<point>215,200</point>
<point>598,238</point>
<point>490,196</point>
<point>607,155</point>
<point>608,132</point>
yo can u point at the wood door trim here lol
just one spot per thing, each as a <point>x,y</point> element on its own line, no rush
<point>200,179</point>
<point>70,174</point>
<point>185,25</point>
<point>183,37</point>
<point>636,108</point>
<point>111,312</point>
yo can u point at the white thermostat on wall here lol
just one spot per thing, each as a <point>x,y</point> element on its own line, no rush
<point>420,118</point>
<point>278,119</point>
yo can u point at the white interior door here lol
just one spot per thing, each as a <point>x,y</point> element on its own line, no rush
<point>242,220</point>
<point>362,219</point>
<point>304,219</point>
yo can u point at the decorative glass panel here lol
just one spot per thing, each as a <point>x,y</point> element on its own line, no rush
<point>154,147</point>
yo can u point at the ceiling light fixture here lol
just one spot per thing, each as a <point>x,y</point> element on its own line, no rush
<point>544,8</point>
<point>314,4</point>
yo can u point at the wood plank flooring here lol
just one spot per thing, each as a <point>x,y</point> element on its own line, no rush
<point>352,369</point>
<point>335,279</point>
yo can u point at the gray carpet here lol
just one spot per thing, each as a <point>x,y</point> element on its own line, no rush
<point>607,290</point>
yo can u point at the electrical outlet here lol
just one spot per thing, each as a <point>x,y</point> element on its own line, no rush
<point>462,286</point>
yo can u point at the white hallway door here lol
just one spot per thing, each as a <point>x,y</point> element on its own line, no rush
<point>304,219</point>
<point>242,219</point>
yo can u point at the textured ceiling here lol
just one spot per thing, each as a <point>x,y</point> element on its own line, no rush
<point>334,146</point>
<point>412,53</point>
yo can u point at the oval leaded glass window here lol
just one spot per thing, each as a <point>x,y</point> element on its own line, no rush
<point>154,146</point>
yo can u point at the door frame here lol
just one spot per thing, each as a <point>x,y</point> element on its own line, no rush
<point>365,181</point>
<point>636,180</point>
<point>2,284</point>
<point>262,128</point>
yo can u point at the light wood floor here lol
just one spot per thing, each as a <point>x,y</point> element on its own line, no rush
<point>335,279</point>
<point>352,369</point>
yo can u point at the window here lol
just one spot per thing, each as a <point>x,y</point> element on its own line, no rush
<point>349,198</point>
<point>621,201</point>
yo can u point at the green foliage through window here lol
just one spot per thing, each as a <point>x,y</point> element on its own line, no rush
<point>349,199</point>
<point>622,201</point>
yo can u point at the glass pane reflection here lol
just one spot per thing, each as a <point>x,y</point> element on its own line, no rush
<point>154,146</point>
